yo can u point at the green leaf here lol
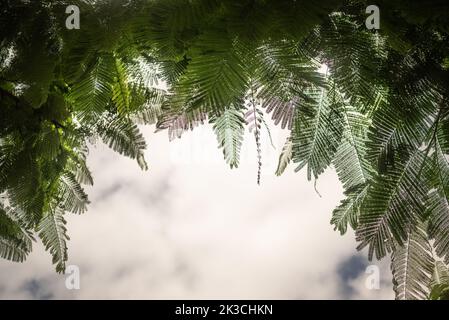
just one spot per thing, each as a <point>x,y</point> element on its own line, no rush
<point>53,233</point>
<point>350,160</point>
<point>438,203</point>
<point>124,137</point>
<point>393,204</point>
<point>316,138</point>
<point>412,266</point>
<point>215,78</point>
<point>348,212</point>
<point>73,198</point>
<point>229,128</point>
<point>120,91</point>
<point>93,91</point>
<point>15,240</point>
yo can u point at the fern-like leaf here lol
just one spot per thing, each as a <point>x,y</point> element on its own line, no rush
<point>92,92</point>
<point>229,128</point>
<point>73,198</point>
<point>285,157</point>
<point>412,266</point>
<point>350,161</point>
<point>120,91</point>
<point>124,137</point>
<point>393,204</point>
<point>53,233</point>
<point>438,202</point>
<point>348,212</point>
<point>316,138</point>
<point>15,240</point>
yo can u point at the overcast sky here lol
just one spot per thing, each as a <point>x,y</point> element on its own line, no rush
<point>191,228</point>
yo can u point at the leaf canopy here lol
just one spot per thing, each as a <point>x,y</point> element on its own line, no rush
<point>373,104</point>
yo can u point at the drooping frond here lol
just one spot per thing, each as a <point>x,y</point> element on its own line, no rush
<point>283,75</point>
<point>404,119</point>
<point>229,128</point>
<point>178,123</point>
<point>53,233</point>
<point>124,137</point>
<point>348,212</point>
<point>438,200</point>
<point>353,169</point>
<point>350,161</point>
<point>384,138</point>
<point>283,111</point>
<point>254,121</point>
<point>412,266</point>
<point>143,70</point>
<point>393,204</point>
<point>15,240</point>
<point>92,92</point>
<point>353,56</point>
<point>172,70</point>
<point>73,198</point>
<point>120,90</point>
<point>77,165</point>
<point>25,190</point>
<point>216,77</point>
<point>317,137</point>
<point>285,157</point>
<point>48,144</point>
<point>146,105</point>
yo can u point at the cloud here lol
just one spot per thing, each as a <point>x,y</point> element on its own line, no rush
<point>349,270</point>
<point>37,290</point>
<point>191,228</point>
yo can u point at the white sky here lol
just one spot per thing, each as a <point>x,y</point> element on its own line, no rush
<point>191,228</point>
